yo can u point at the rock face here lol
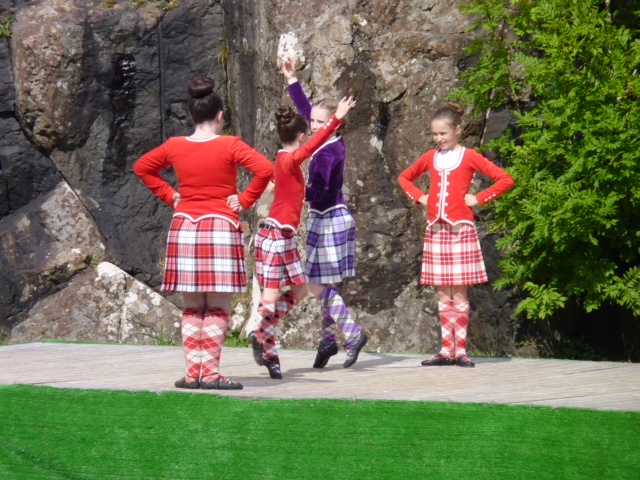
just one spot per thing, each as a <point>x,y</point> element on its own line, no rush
<point>94,87</point>
<point>103,304</point>
<point>43,245</point>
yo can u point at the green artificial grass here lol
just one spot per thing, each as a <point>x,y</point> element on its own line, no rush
<point>48,433</point>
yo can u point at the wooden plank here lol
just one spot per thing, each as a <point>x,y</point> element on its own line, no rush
<point>515,381</point>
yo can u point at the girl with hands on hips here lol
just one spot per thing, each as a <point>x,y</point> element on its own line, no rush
<point>452,257</point>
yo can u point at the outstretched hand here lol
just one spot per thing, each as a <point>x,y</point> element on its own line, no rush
<point>345,105</point>
<point>288,69</point>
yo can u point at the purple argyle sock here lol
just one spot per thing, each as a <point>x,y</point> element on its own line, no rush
<point>334,312</point>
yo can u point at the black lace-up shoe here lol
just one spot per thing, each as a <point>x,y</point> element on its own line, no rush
<point>183,383</point>
<point>464,361</point>
<point>354,351</point>
<point>273,365</point>
<point>438,360</point>
<point>222,383</point>
<point>257,348</point>
<point>324,353</point>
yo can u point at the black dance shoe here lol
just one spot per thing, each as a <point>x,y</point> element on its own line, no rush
<point>257,348</point>
<point>222,383</point>
<point>438,360</point>
<point>183,383</point>
<point>353,352</point>
<point>324,353</point>
<point>273,365</point>
<point>464,361</point>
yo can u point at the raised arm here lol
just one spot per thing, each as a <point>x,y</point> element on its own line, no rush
<point>321,136</point>
<point>296,92</point>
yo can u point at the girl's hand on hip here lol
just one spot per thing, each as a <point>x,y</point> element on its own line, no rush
<point>234,203</point>
<point>176,199</point>
<point>424,199</point>
<point>470,200</point>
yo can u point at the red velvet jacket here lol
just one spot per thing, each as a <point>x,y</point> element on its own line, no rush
<point>448,186</point>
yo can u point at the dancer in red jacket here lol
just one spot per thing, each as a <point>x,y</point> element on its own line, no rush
<point>205,251</point>
<point>452,257</point>
<point>278,262</point>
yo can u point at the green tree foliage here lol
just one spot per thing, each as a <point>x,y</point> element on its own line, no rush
<point>568,70</point>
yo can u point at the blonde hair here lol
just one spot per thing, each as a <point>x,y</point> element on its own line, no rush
<point>328,104</point>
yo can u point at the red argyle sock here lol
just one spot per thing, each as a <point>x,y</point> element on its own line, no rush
<point>460,327</point>
<point>272,314</point>
<point>192,342</point>
<point>446,325</point>
<point>214,332</point>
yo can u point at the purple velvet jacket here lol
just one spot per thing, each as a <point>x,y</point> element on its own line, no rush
<point>326,170</point>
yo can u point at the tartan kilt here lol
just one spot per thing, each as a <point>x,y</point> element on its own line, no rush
<point>204,256</point>
<point>278,262</point>
<point>452,255</point>
<point>331,246</point>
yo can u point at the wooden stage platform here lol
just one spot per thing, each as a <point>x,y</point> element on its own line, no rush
<point>513,381</point>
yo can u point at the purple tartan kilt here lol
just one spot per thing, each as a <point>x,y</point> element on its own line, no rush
<point>452,255</point>
<point>204,256</point>
<point>278,262</point>
<point>331,246</point>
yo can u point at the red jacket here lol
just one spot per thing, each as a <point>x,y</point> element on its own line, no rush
<point>288,196</point>
<point>207,174</point>
<point>448,186</point>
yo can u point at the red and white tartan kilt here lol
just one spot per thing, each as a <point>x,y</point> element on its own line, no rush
<point>204,256</point>
<point>278,262</point>
<point>452,255</point>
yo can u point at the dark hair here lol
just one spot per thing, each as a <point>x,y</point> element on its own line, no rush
<point>205,104</point>
<point>452,112</point>
<point>290,124</point>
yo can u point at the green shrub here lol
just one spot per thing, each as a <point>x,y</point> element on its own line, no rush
<point>569,73</point>
<point>5,29</point>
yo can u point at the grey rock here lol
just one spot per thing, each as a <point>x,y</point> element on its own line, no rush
<point>43,245</point>
<point>104,304</point>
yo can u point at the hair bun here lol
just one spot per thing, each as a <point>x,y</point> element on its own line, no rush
<point>285,115</point>
<point>201,86</point>
<point>456,107</point>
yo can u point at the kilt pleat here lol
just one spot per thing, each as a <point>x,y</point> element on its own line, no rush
<point>331,246</point>
<point>452,255</point>
<point>278,262</point>
<point>204,256</point>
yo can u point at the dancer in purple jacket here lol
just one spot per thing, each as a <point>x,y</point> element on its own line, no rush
<point>331,229</point>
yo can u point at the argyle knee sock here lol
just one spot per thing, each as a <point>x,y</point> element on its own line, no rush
<point>285,303</point>
<point>460,327</point>
<point>272,314</point>
<point>446,324</point>
<point>192,342</point>
<point>329,326</point>
<point>336,309</point>
<point>266,329</point>
<point>214,332</point>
